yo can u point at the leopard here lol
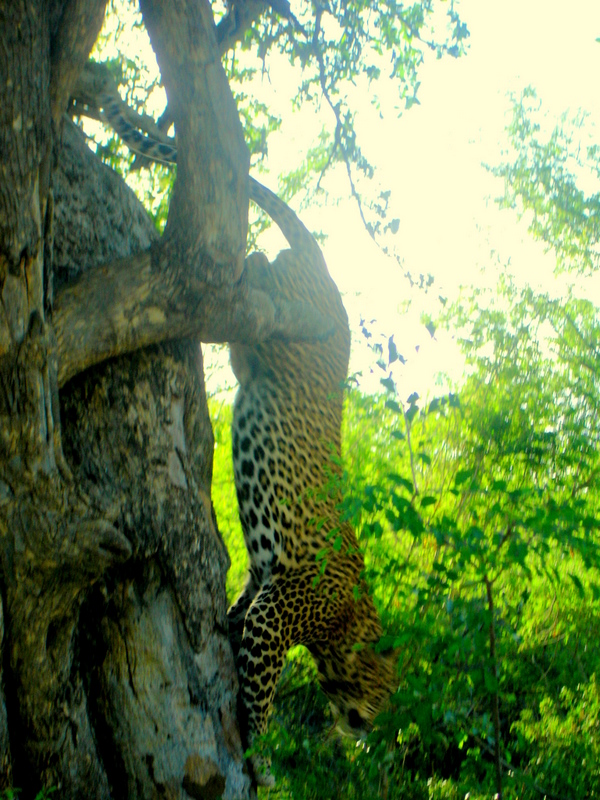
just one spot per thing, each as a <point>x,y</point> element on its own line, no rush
<point>305,583</point>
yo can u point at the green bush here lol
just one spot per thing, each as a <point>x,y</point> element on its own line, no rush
<point>477,547</point>
<point>560,744</point>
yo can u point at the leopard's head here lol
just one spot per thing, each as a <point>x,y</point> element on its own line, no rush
<point>361,689</point>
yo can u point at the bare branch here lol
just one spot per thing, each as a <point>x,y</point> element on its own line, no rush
<point>495,701</point>
<point>235,23</point>
<point>208,214</point>
<point>123,306</point>
<point>71,44</point>
<point>243,14</point>
<point>338,144</point>
<point>95,82</point>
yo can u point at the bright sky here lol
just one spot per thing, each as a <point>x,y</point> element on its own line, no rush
<point>431,158</point>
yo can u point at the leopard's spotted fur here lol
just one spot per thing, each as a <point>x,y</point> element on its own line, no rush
<point>286,437</point>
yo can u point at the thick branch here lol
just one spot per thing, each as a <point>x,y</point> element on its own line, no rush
<point>208,215</point>
<point>24,140</point>
<point>71,44</point>
<point>243,14</point>
<point>233,25</point>
<point>126,305</point>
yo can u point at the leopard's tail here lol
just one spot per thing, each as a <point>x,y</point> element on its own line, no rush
<point>115,113</point>
<point>298,236</point>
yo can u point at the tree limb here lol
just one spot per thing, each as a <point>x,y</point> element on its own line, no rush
<point>74,37</point>
<point>208,215</point>
<point>120,307</point>
<point>242,14</point>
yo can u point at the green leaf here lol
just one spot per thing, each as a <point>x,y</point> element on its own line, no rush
<point>491,684</point>
<point>578,584</point>
<point>434,405</point>
<point>411,413</point>
<point>399,480</point>
<point>429,500</point>
<point>462,476</point>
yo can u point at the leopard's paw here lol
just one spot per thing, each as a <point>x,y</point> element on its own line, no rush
<point>261,767</point>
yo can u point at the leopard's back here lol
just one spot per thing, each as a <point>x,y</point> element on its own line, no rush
<point>298,274</point>
<point>288,409</point>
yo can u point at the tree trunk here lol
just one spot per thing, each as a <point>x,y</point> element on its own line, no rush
<point>118,679</point>
<point>153,649</point>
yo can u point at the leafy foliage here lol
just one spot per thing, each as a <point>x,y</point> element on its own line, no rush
<point>543,181</point>
<point>338,50</point>
<point>431,554</point>
<point>339,45</point>
<point>13,794</point>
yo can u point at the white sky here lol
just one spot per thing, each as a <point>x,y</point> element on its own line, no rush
<point>431,158</point>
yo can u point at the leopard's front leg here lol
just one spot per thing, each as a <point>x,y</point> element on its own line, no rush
<point>265,642</point>
<point>288,610</point>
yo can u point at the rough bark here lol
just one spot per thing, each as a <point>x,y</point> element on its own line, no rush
<point>152,652</point>
<point>126,305</point>
<point>160,673</point>
<point>52,546</point>
<point>208,214</point>
<point>134,302</point>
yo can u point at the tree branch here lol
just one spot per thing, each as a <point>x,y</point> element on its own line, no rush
<point>243,14</point>
<point>77,30</point>
<point>120,307</point>
<point>208,215</point>
<point>495,702</point>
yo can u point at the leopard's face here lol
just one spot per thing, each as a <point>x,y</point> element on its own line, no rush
<point>360,690</point>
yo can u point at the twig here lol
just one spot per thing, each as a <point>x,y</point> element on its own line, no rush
<point>338,145</point>
<point>410,450</point>
<point>495,703</point>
